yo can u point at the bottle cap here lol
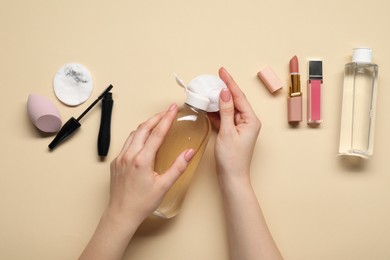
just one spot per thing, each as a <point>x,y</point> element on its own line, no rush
<point>362,55</point>
<point>203,92</point>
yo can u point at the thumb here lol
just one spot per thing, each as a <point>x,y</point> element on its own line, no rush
<point>226,109</point>
<point>177,168</point>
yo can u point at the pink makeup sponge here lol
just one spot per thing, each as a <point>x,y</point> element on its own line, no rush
<point>43,114</point>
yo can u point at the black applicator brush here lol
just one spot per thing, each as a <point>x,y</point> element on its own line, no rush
<point>73,124</point>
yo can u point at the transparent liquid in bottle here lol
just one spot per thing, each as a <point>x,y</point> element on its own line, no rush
<point>358,110</point>
<point>191,129</point>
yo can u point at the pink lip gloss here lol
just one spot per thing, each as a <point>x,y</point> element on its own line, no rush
<point>294,100</point>
<point>314,84</point>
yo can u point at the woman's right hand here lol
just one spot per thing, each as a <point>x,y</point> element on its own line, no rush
<point>248,234</point>
<point>238,131</point>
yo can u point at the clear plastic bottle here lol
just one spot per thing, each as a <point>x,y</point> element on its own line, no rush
<point>359,105</point>
<point>191,129</point>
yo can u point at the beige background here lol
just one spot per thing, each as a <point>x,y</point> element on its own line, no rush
<point>316,207</point>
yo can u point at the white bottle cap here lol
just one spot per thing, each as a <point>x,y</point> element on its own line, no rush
<point>362,55</point>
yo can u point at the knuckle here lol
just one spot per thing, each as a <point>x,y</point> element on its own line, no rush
<point>227,110</point>
<point>117,164</point>
<point>138,161</point>
<point>125,159</point>
<point>158,132</point>
<point>165,185</point>
<point>180,167</point>
<point>142,126</point>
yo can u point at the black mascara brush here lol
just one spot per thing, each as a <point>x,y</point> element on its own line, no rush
<point>73,124</point>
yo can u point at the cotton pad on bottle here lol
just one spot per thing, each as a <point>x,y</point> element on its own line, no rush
<point>206,88</point>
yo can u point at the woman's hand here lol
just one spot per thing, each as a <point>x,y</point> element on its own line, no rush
<point>238,128</point>
<point>136,189</point>
<point>248,234</point>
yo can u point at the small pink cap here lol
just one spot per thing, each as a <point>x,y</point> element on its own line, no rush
<point>270,79</point>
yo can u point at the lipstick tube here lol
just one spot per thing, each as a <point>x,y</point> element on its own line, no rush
<point>294,100</point>
<point>314,85</point>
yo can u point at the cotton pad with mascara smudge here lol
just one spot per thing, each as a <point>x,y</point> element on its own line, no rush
<point>73,84</point>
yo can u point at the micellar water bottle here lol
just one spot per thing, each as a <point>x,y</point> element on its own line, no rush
<point>358,105</point>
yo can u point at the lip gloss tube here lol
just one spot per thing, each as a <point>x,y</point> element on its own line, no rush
<point>314,85</point>
<point>294,100</point>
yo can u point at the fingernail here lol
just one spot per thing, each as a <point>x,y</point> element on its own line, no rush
<point>171,107</point>
<point>225,95</point>
<point>189,154</point>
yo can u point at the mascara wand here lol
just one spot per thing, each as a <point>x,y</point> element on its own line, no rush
<point>73,124</point>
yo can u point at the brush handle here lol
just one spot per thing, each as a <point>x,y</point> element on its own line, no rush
<point>95,102</point>
<point>105,125</point>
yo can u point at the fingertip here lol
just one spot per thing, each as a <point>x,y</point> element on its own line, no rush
<point>172,107</point>
<point>177,168</point>
<point>189,154</point>
<point>223,70</point>
<point>226,104</point>
<point>225,95</point>
<point>224,75</point>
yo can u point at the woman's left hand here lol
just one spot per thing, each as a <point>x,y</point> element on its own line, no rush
<point>136,189</point>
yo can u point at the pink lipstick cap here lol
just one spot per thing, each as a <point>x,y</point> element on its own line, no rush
<point>270,79</point>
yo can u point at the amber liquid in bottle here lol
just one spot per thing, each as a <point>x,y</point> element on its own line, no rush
<point>191,129</point>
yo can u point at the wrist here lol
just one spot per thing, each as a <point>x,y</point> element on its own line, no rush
<point>232,182</point>
<point>111,237</point>
<point>126,224</point>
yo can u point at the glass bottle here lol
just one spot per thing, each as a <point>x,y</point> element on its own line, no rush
<point>358,105</point>
<point>191,129</point>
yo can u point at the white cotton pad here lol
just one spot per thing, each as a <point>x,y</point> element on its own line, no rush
<point>208,86</point>
<point>43,114</point>
<point>73,84</point>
